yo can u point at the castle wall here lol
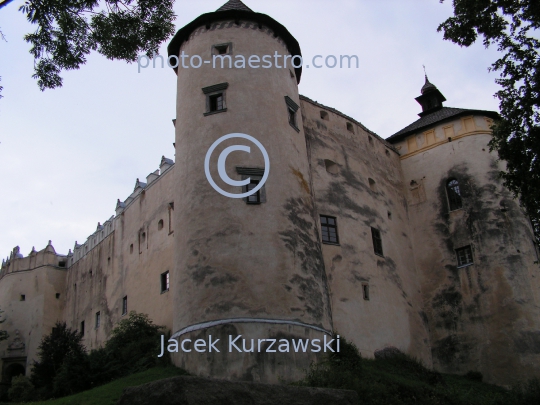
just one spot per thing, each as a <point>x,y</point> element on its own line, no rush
<point>233,260</point>
<point>30,304</point>
<point>126,263</point>
<point>343,162</point>
<point>483,316</point>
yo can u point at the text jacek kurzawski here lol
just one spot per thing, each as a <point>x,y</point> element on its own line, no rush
<point>237,344</point>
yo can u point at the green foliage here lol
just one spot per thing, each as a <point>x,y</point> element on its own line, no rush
<point>402,380</point>
<point>63,343</point>
<point>68,30</point>
<point>134,344</point>
<point>21,390</point>
<point>511,25</point>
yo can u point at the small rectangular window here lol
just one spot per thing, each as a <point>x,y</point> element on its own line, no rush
<point>222,49</point>
<point>57,295</point>
<point>365,291</point>
<point>124,305</point>
<point>254,198</point>
<point>377,241</point>
<point>216,102</point>
<point>23,297</point>
<point>464,256</point>
<point>82,328</point>
<point>215,98</point>
<point>292,117</point>
<point>98,319</point>
<point>165,282</point>
<point>329,229</point>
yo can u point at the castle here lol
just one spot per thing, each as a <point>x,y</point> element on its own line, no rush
<point>411,242</point>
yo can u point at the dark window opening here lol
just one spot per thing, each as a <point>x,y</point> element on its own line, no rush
<point>370,140</point>
<point>57,296</point>
<point>464,256</point>
<point>160,225</point>
<point>23,297</point>
<point>215,102</point>
<point>292,117</point>
<point>254,198</point>
<point>377,241</point>
<point>170,209</point>
<point>331,167</point>
<point>124,305</point>
<point>329,229</point>
<point>131,248</point>
<point>350,127</point>
<point>389,215</point>
<point>108,260</point>
<point>82,328</point>
<point>372,184</point>
<point>165,281</point>
<point>324,116</point>
<point>98,319</point>
<point>61,264</point>
<point>222,49</point>
<point>365,291</point>
<point>454,194</point>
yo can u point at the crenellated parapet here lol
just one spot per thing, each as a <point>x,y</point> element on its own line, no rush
<point>16,261</point>
<point>107,228</point>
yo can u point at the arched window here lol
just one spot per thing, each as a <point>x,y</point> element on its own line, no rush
<point>454,194</point>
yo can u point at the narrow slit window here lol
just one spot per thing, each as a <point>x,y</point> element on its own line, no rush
<point>454,194</point>
<point>292,109</point>
<point>23,297</point>
<point>329,230</point>
<point>292,117</point>
<point>124,305</point>
<point>365,291</point>
<point>98,319</point>
<point>165,281</point>
<point>377,241</point>
<point>82,328</point>
<point>464,256</point>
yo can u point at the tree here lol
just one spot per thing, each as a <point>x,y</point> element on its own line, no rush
<point>134,344</point>
<point>63,343</point>
<point>68,30</point>
<point>512,26</point>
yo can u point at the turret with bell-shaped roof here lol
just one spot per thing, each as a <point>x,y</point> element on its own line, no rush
<point>431,99</point>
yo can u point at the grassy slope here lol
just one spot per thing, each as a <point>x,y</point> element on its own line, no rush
<point>109,394</point>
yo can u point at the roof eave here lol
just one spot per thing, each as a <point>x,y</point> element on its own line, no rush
<point>205,19</point>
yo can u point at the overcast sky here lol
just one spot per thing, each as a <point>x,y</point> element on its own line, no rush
<point>67,155</point>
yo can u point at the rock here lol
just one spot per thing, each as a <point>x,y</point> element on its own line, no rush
<point>388,352</point>
<point>206,391</point>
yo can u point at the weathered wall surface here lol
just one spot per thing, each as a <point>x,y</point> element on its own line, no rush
<point>128,262</point>
<point>39,278</point>
<point>343,163</point>
<point>235,260</point>
<point>484,316</point>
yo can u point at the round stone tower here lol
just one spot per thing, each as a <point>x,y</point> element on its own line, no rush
<point>243,266</point>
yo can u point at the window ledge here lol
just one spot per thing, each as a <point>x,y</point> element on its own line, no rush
<point>165,291</point>
<point>377,254</point>
<point>331,243</point>
<point>214,112</point>
<point>465,265</point>
<point>457,209</point>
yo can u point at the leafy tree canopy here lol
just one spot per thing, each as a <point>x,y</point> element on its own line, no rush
<point>68,30</point>
<point>511,26</point>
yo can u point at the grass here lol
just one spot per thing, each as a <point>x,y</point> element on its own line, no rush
<point>402,381</point>
<point>110,393</point>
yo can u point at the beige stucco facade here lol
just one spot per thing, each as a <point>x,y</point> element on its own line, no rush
<point>203,264</point>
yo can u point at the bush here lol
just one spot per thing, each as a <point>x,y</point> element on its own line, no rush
<point>22,390</point>
<point>134,345</point>
<point>62,343</point>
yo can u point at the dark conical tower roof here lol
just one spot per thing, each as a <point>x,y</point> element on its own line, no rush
<point>427,86</point>
<point>234,5</point>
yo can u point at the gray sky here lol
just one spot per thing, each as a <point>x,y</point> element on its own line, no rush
<point>67,154</point>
